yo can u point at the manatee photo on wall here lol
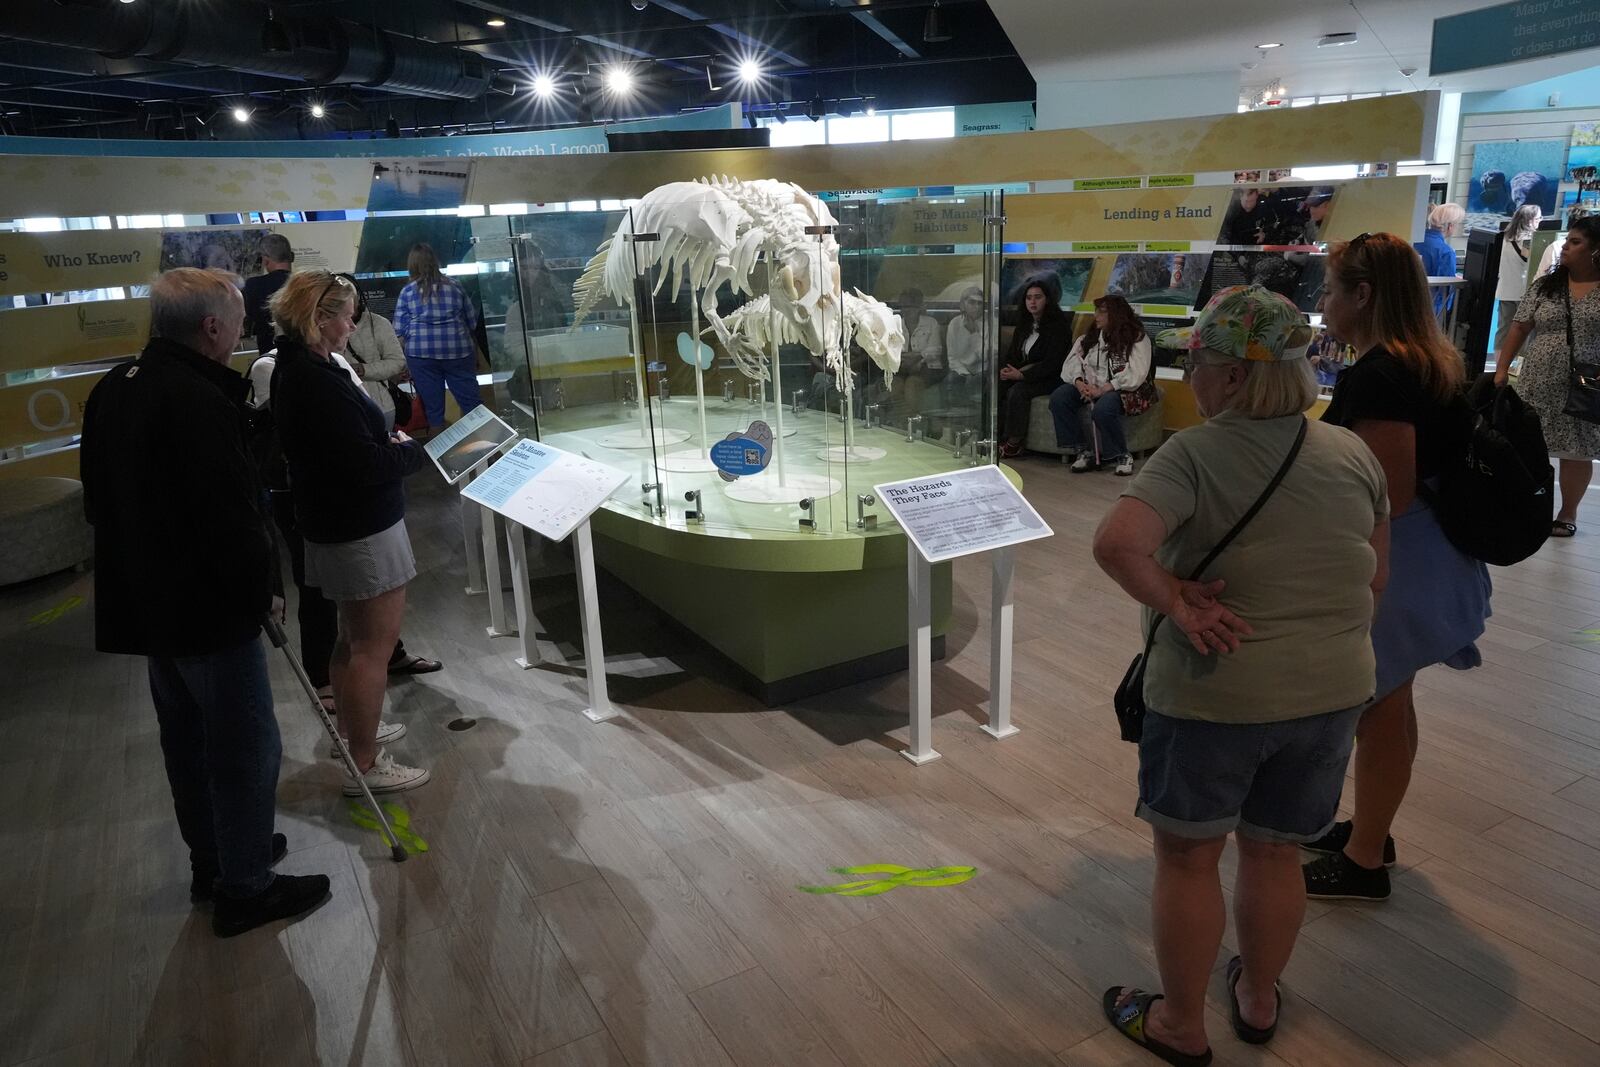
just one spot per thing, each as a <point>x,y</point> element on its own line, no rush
<point>1508,174</point>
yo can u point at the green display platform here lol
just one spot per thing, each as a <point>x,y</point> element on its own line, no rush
<point>796,611</point>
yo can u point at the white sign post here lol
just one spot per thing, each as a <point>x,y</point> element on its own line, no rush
<point>945,516</point>
<point>553,493</point>
<point>461,453</point>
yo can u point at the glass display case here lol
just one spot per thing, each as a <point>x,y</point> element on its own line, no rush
<point>805,377</point>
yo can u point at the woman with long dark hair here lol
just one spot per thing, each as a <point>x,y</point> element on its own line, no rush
<point>1107,371</point>
<point>1512,285</point>
<point>1402,397</point>
<point>1033,361</point>
<point>436,320</point>
<point>1563,297</point>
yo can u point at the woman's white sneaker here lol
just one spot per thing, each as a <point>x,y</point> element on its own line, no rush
<point>1124,466</point>
<point>387,732</point>
<point>387,776</point>
<point>1081,464</point>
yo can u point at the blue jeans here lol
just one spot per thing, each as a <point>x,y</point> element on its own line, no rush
<point>1066,402</point>
<point>431,376</point>
<point>220,742</point>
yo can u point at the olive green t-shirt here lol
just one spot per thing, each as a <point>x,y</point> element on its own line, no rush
<point>1300,573</point>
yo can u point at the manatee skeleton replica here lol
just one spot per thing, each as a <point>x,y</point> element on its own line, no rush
<point>869,322</point>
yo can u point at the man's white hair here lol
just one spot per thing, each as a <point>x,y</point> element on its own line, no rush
<point>181,299</point>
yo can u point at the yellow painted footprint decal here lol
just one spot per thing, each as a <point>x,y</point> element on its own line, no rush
<point>399,822</point>
<point>897,876</point>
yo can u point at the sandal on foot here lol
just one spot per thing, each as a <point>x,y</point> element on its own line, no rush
<point>1563,529</point>
<point>1129,1018</point>
<point>416,665</point>
<point>1250,1035</point>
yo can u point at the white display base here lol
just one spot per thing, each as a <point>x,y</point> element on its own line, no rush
<point>633,438</point>
<point>857,453</point>
<point>764,488</point>
<point>691,462</point>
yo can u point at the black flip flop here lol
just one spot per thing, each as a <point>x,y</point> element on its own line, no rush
<point>1563,529</point>
<point>1128,1020</point>
<point>416,665</point>
<point>1247,1033</point>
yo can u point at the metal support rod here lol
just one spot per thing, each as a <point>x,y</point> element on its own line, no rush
<point>491,573</point>
<point>1000,641</point>
<point>472,536</point>
<point>919,644</point>
<point>517,549</point>
<point>777,407</point>
<point>594,654</point>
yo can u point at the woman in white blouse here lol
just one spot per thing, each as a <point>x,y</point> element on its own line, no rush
<point>1107,371</point>
<point>1513,282</point>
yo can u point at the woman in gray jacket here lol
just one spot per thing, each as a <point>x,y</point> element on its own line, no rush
<point>375,354</point>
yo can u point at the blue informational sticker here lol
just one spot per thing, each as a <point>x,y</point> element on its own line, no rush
<point>655,367</point>
<point>742,454</point>
<point>688,350</point>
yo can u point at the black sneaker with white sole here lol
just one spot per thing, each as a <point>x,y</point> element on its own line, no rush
<point>287,897</point>
<point>1337,838</point>
<point>1338,877</point>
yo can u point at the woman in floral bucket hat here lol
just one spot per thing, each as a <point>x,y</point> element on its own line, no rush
<point>1227,747</point>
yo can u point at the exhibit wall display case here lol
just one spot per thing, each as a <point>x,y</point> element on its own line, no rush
<point>754,415</point>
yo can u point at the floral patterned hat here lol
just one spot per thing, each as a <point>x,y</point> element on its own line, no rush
<point>1245,322</point>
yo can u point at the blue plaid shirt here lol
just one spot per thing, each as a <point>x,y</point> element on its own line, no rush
<point>439,326</point>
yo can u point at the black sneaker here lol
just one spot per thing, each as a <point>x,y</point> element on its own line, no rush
<point>289,896</point>
<point>204,886</point>
<point>1336,839</point>
<point>1337,877</point>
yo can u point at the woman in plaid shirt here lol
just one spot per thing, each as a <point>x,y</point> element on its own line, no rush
<point>435,321</point>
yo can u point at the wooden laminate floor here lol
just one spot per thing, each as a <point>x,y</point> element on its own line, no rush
<point>626,893</point>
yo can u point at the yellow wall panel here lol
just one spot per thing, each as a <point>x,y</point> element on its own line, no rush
<point>72,333</point>
<point>43,410</point>
<point>77,259</point>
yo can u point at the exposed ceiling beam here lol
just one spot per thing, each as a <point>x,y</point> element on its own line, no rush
<point>871,22</point>
<point>733,33</point>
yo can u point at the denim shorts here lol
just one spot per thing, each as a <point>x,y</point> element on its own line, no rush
<point>1274,781</point>
<point>363,569</point>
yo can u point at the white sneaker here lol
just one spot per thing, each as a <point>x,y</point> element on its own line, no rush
<point>1081,464</point>
<point>387,732</point>
<point>1124,466</point>
<point>387,776</point>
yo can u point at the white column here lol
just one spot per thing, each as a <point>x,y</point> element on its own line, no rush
<point>472,536</point>
<point>1000,638</point>
<point>517,549</point>
<point>594,653</point>
<point>491,573</point>
<point>919,598</point>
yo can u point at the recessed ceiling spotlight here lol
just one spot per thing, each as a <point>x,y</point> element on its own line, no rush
<point>1270,44</point>
<point>1334,40</point>
<point>749,71</point>
<point>496,23</point>
<point>543,85</point>
<point>241,114</point>
<point>619,81</point>
<point>317,111</point>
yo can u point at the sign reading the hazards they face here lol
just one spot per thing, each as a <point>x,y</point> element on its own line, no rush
<point>962,512</point>
<point>77,259</point>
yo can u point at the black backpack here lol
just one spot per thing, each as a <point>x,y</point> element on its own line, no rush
<point>1498,503</point>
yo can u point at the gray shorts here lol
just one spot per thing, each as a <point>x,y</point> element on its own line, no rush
<point>363,569</point>
<point>1275,781</point>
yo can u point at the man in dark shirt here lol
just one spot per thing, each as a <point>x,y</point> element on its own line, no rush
<point>185,572</point>
<point>277,260</point>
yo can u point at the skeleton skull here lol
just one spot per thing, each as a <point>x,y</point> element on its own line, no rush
<point>879,330</point>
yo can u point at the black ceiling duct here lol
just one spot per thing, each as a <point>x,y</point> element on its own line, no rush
<point>323,51</point>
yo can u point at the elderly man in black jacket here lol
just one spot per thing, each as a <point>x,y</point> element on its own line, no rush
<point>185,572</point>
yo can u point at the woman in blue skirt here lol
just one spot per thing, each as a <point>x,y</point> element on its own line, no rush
<point>1403,398</point>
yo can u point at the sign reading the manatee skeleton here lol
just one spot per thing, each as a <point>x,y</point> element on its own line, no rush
<point>67,260</point>
<point>965,511</point>
<point>549,491</point>
<point>470,440</point>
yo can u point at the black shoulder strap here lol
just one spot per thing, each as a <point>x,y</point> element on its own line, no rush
<point>1244,520</point>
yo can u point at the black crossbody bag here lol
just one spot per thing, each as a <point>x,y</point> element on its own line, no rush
<point>1129,699</point>
<point>1583,379</point>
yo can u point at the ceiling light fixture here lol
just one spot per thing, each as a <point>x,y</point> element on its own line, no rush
<point>274,38</point>
<point>544,86</point>
<point>391,129</point>
<point>749,71</point>
<point>934,28</point>
<point>1270,44</point>
<point>318,111</point>
<point>1334,40</point>
<point>241,114</point>
<point>816,111</point>
<point>496,24</point>
<point>619,81</point>
<point>872,105</point>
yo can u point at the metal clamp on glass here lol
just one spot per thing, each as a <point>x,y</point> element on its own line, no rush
<point>982,449</point>
<point>913,427</point>
<point>962,439</point>
<point>797,403</point>
<point>809,520</point>
<point>560,396</point>
<point>697,513</point>
<point>752,392</point>
<point>665,390</point>
<point>661,504</point>
<point>871,419</point>
<point>863,520</point>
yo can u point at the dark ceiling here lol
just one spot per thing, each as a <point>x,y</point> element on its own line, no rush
<point>176,69</point>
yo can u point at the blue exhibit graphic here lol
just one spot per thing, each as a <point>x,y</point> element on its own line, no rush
<point>514,470</point>
<point>1585,150</point>
<point>1158,278</point>
<point>417,184</point>
<point>742,454</point>
<point>688,350</point>
<point>1508,174</point>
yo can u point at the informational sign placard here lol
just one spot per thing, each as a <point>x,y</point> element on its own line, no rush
<point>740,455</point>
<point>77,259</point>
<point>470,440</point>
<point>549,491</point>
<point>44,410</point>
<point>59,334</point>
<point>965,511</point>
<point>1510,33</point>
